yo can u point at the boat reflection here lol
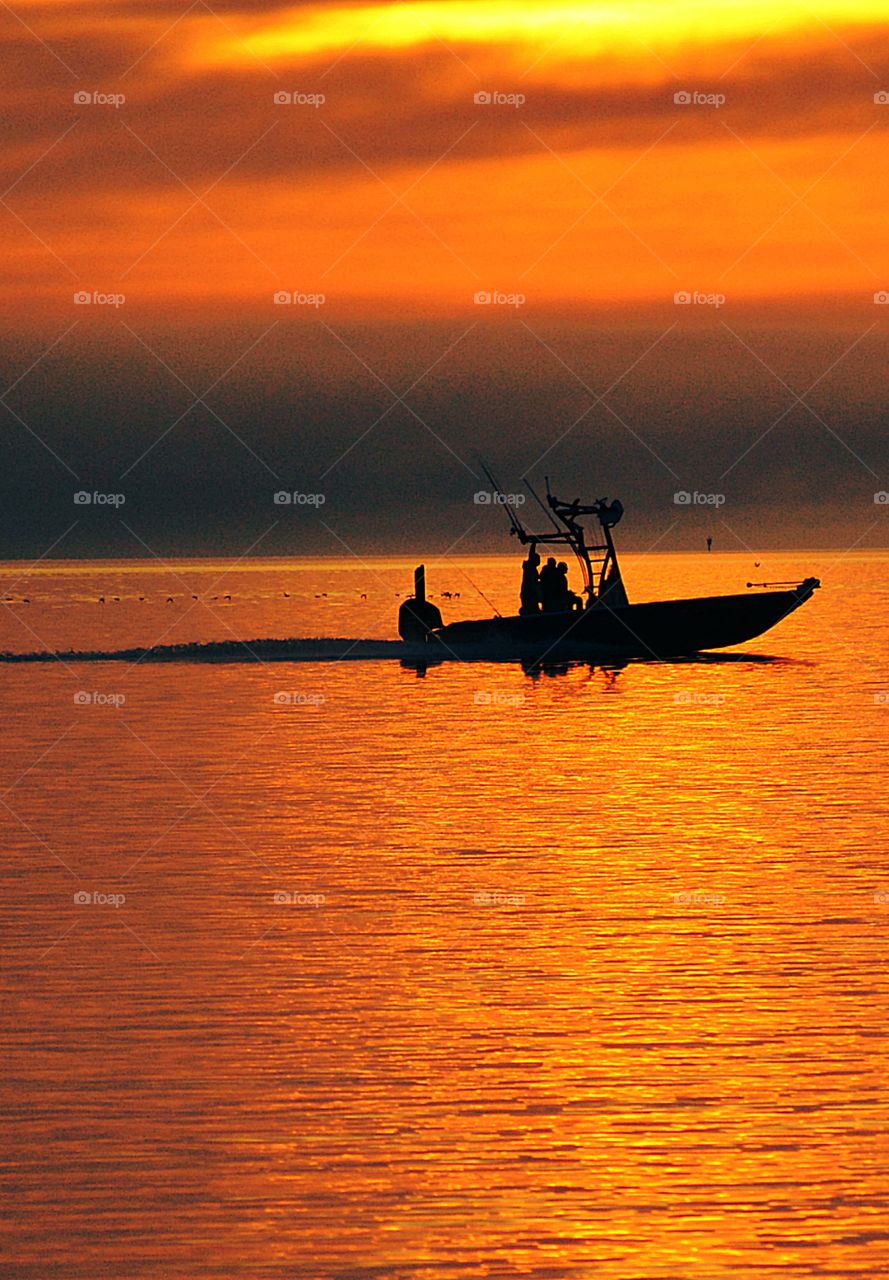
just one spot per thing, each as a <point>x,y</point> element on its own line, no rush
<point>611,669</point>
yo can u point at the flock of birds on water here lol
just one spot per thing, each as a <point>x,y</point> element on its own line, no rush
<point>226,599</point>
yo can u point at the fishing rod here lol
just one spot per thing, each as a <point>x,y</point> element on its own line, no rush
<point>549,515</point>
<point>517,528</point>
<point>477,588</point>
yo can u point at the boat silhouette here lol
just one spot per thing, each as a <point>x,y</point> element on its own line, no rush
<point>604,623</point>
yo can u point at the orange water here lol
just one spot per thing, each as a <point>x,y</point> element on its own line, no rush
<point>574,975</point>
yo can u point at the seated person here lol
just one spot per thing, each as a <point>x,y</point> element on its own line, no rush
<point>567,598</point>
<point>551,587</point>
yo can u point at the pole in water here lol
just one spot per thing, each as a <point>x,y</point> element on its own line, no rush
<point>420,582</point>
<point>709,544</point>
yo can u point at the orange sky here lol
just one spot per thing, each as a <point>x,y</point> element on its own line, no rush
<point>598,187</point>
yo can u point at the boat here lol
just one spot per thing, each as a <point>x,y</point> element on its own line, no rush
<point>603,625</point>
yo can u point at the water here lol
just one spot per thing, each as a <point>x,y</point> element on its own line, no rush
<point>474,974</point>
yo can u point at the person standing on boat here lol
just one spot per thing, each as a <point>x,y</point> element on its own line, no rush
<point>551,590</point>
<point>530,592</point>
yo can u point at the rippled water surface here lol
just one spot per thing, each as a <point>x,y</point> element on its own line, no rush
<point>340,971</point>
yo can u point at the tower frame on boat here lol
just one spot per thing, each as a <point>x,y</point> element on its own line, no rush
<point>598,562</point>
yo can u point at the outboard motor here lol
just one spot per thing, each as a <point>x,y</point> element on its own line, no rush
<point>417,617</point>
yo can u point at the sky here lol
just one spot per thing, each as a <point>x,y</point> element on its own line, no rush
<point>639,247</point>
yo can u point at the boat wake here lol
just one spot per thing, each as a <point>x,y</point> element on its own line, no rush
<point>346,650</point>
<point>333,650</point>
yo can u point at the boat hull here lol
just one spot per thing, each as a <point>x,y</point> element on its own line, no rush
<point>662,629</point>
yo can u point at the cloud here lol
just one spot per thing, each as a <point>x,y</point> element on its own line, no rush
<point>102,188</point>
<point>397,106</point>
<point>311,409</point>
